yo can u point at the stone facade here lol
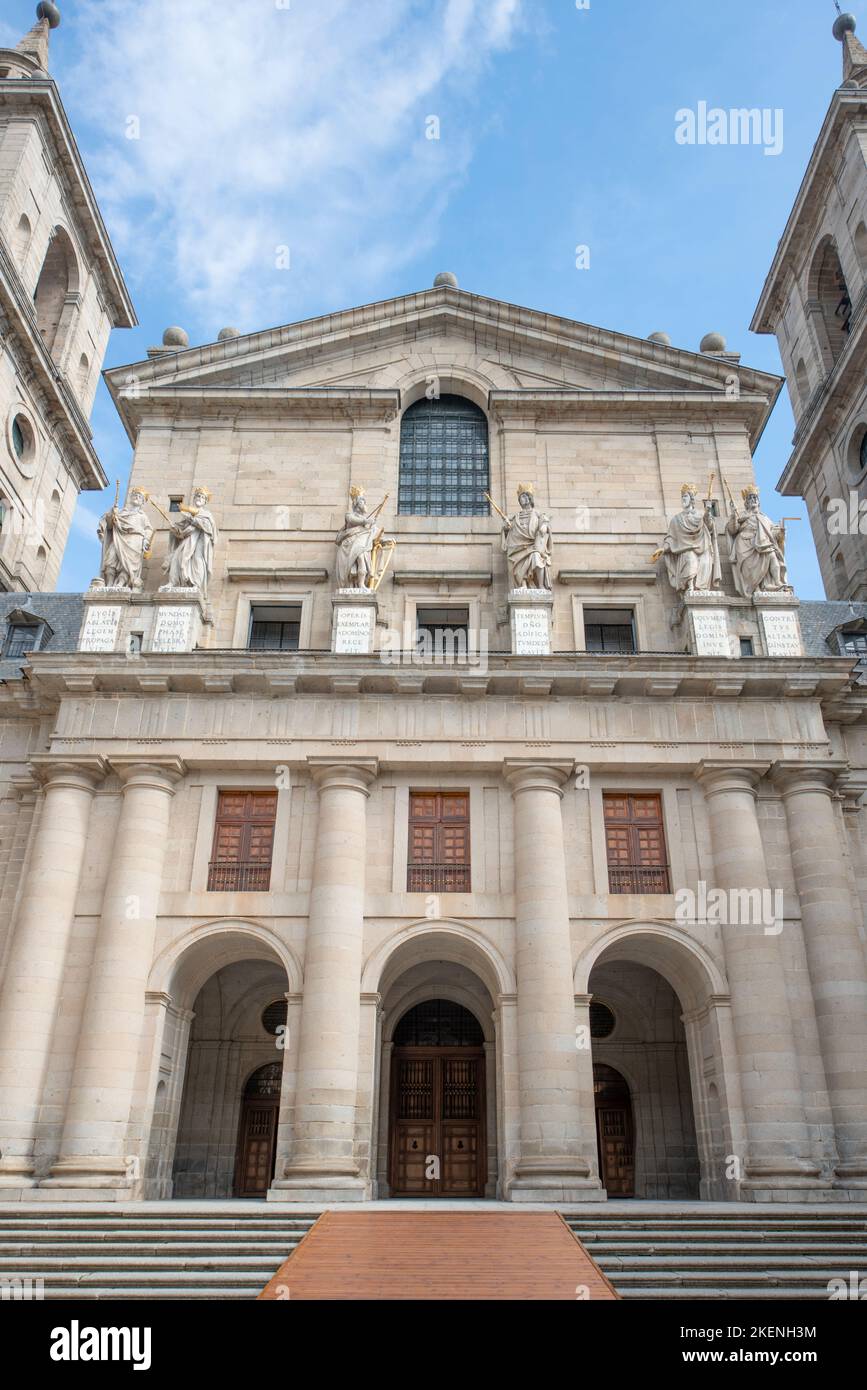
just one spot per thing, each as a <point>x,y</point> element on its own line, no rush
<point>61,293</point>
<point>735,980</point>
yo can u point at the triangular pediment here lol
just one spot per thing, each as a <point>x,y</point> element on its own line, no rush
<point>389,345</point>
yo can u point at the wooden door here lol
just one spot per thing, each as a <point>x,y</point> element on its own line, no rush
<point>437,1141</point>
<point>614,1132</point>
<point>257,1137</point>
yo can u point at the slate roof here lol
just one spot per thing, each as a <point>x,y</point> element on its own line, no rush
<point>821,622</point>
<point>64,614</point>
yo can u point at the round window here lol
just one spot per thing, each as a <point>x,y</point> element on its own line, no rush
<point>862,456</point>
<point>274,1017</point>
<point>21,442</point>
<point>601,1021</point>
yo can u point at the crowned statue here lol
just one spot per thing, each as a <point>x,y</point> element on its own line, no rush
<point>757,547</point>
<point>362,555</point>
<point>526,540</point>
<point>690,548</point>
<point>190,560</point>
<point>126,536</point>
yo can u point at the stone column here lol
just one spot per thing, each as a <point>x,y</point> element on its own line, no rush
<point>835,955</point>
<point>322,1163</point>
<point>777,1150</point>
<point>96,1145</point>
<point>40,939</point>
<point>557,1146</point>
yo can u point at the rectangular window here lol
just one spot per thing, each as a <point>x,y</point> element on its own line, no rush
<point>609,630</point>
<point>439,842</point>
<point>275,627</point>
<point>747,648</point>
<point>23,638</point>
<point>175,504</point>
<point>635,843</point>
<point>243,843</point>
<point>443,632</point>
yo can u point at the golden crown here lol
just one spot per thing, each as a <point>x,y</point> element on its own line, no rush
<point>689,487</point>
<point>750,491</point>
<point>356,491</point>
<point>526,487</point>
<point>205,491</point>
<point>142,492</point>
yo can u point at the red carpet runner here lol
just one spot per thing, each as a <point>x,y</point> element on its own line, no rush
<point>439,1255</point>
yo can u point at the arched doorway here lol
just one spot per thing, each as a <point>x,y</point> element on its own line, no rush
<point>615,1131</point>
<point>227,1125</point>
<point>637,1032</point>
<point>257,1134</point>
<point>437,1144</point>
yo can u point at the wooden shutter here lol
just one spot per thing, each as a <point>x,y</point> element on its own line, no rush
<point>635,843</point>
<point>439,842</point>
<point>243,842</point>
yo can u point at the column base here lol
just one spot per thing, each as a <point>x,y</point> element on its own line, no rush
<point>17,1172</point>
<point>567,1179</point>
<point>783,1180</point>
<point>101,1173</point>
<point>320,1181</point>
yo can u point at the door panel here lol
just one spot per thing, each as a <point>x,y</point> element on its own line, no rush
<point>438,1111</point>
<point>257,1150</point>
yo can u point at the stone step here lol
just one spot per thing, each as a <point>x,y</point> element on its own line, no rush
<point>68,1238</point>
<point>716,1294</point>
<point>731,1253</point>
<point>807,1264</point>
<point>223,1277</point>
<point>43,1264</point>
<point>98,1249</point>
<point>178,1294</point>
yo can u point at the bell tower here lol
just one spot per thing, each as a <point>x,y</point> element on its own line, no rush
<point>815,301</point>
<point>61,293</point>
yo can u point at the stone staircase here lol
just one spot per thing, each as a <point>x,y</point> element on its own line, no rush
<point>710,1251</point>
<point>153,1250</point>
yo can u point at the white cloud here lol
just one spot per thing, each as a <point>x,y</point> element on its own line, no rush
<point>264,126</point>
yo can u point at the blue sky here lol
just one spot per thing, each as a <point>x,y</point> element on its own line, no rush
<point>302,124</point>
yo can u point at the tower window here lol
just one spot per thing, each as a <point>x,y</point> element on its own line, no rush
<point>444,468</point>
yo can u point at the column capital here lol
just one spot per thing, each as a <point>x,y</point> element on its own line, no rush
<point>159,773</point>
<point>84,773</point>
<point>719,776</point>
<point>792,777</point>
<point>529,774</point>
<point>356,774</point>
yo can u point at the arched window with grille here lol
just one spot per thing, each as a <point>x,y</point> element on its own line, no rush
<point>444,459</point>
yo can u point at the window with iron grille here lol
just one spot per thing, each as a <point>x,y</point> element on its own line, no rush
<point>439,842</point>
<point>635,842</point>
<point>243,843</point>
<point>275,628</point>
<point>439,1023</point>
<point>444,469</point>
<point>609,630</point>
<point>442,632</point>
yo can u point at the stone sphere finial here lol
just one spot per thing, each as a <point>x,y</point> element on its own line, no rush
<point>661,338</point>
<point>713,342</point>
<point>844,24</point>
<point>176,337</point>
<point>226,333</point>
<point>45,10</point>
<point>446,280</point>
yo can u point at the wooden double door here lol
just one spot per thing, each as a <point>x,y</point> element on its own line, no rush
<point>437,1139</point>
